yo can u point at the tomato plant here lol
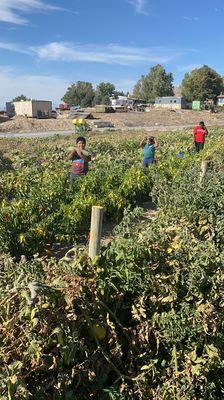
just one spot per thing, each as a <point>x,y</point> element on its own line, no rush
<point>142,321</point>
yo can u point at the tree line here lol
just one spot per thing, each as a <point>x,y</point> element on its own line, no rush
<point>199,84</point>
<point>83,94</point>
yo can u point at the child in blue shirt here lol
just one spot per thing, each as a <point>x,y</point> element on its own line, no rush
<point>149,145</point>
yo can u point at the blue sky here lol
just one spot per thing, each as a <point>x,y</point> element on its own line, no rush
<point>47,45</point>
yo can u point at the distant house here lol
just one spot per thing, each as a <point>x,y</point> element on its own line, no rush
<point>30,108</point>
<point>220,100</point>
<point>171,102</point>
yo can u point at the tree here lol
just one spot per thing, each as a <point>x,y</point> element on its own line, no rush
<point>21,98</point>
<point>156,83</point>
<point>103,93</point>
<point>137,91</point>
<point>119,93</point>
<point>79,93</point>
<point>201,84</point>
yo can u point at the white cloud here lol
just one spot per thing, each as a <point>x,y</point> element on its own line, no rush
<point>14,47</point>
<point>12,10</point>
<point>190,19</point>
<point>42,87</point>
<point>139,6</point>
<point>108,54</point>
<point>220,9</point>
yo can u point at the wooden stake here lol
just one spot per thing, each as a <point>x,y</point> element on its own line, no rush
<point>204,166</point>
<point>95,231</point>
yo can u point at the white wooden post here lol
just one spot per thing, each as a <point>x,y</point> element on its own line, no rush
<point>95,231</point>
<point>204,166</point>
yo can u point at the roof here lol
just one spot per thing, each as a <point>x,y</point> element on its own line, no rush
<point>169,97</point>
<point>32,101</point>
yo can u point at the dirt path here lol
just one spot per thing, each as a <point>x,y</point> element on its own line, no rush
<point>42,135</point>
<point>155,119</point>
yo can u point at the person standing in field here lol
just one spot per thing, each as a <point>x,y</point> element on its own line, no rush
<point>149,145</point>
<point>80,159</point>
<point>200,132</point>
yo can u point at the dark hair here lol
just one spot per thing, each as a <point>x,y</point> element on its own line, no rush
<point>81,139</point>
<point>202,123</point>
<point>152,140</point>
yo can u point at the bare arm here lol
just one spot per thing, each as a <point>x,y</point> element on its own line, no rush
<point>71,154</point>
<point>156,144</point>
<point>142,143</point>
<point>81,153</point>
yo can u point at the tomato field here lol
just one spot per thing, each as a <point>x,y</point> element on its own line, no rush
<point>144,320</point>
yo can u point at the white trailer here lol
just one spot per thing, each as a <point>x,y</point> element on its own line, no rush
<point>121,101</point>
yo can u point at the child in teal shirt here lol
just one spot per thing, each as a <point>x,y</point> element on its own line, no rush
<point>149,145</point>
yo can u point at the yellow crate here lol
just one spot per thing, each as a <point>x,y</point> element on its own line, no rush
<point>79,121</point>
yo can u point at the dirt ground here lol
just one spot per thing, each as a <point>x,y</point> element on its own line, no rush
<point>153,118</point>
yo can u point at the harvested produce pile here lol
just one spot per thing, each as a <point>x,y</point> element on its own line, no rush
<point>143,321</point>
